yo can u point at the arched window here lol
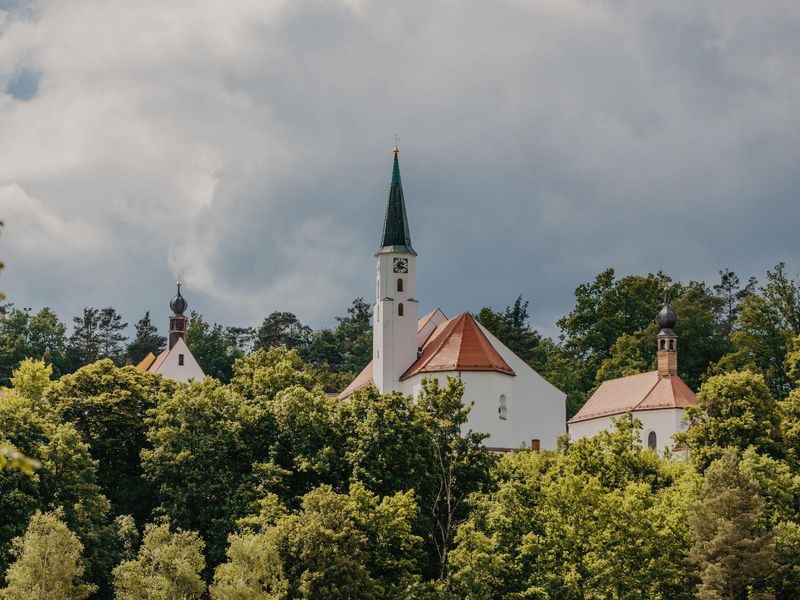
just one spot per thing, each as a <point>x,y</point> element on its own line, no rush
<point>672,345</point>
<point>652,442</point>
<point>663,345</point>
<point>502,410</point>
<point>400,310</point>
<point>399,285</point>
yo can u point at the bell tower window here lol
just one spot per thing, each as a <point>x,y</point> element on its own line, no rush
<point>399,285</point>
<point>400,310</point>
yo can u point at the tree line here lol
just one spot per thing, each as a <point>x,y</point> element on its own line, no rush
<point>723,326</point>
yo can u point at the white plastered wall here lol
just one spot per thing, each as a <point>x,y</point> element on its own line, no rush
<point>171,369</point>
<point>535,408</point>
<point>665,422</point>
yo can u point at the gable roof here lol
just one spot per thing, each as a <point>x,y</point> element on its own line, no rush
<point>645,391</point>
<point>458,345</point>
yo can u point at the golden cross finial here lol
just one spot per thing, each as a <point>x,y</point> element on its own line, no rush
<point>396,149</point>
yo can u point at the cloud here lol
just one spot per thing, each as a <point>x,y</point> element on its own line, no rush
<point>246,145</point>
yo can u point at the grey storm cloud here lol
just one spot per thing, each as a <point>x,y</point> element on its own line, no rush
<point>245,145</point>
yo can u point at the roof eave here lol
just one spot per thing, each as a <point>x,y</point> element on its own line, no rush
<point>396,250</point>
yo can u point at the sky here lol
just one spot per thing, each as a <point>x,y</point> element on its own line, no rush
<point>245,146</point>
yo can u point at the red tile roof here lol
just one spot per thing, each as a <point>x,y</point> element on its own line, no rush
<point>363,379</point>
<point>455,345</point>
<point>458,345</point>
<point>645,391</point>
<point>153,368</point>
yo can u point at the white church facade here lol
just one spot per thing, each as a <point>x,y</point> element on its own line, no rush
<point>515,405</point>
<point>177,361</point>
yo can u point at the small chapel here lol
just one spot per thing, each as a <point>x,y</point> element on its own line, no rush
<point>177,361</point>
<point>511,402</point>
<point>656,398</point>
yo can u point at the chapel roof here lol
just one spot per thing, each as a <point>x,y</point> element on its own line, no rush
<point>396,236</point>
<point>645,391</point>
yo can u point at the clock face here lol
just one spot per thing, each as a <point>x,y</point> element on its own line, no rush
<point>401,265</point>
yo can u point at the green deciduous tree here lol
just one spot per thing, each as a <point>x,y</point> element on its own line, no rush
<point>337,546</point>
<point>147,340</point>
<point>460,463</point>
<point>733,410</point>
<point>167,567</point>
<point>202,450</point>
<point>733,551</point>
<point>107,405</point>
<point>767,323</point>
<point>48,563</point>
<point>513,329</point>
<point>23,335</point>
<point>211,348</point>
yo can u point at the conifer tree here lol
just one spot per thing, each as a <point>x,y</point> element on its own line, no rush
<point>147,340</point>
<point>733,552</point>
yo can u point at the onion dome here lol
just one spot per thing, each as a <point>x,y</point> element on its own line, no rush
<point>666,318</point>
<point>178,304</point>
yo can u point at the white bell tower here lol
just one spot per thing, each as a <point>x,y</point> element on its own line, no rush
<point>395,315</point>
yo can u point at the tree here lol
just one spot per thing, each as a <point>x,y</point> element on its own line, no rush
<point>69,483</point>
<point>388,447</point>
<point>512,328</point>
<point>351,545</point>
<point>735,555</point>
<point>108,405</point>
<point>768,322</point>
<point>110,328</point>
<point>730,292</point>
<point>253,571</point>
<point>460,463</point>
<point>202,448</point>
<point>733,410</point>
<point>147,340</point>
<point>83,346</point>
<point>48,563</point>
<point>348,347</point>
<point>603,518</point>
<point>167,567</point>
<point>22,335</point>
<point>282,329</point>
<point>211,348</point>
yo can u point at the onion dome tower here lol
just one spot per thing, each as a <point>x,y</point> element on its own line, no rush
<point>177,322</point>
<point>667,339</point>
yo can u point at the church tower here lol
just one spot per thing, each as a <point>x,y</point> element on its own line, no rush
<point>667,340</point>
<point>394,339</point>
<point>177,322</point>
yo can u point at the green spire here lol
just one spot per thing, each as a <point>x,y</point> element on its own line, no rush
<point>396,237</point>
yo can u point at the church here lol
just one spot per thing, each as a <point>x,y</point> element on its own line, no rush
<point>177,361</point>
<point>515,405</point>
<point>657,398</point>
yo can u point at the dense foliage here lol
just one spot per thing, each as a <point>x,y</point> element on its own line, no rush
<point>258,484</point>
